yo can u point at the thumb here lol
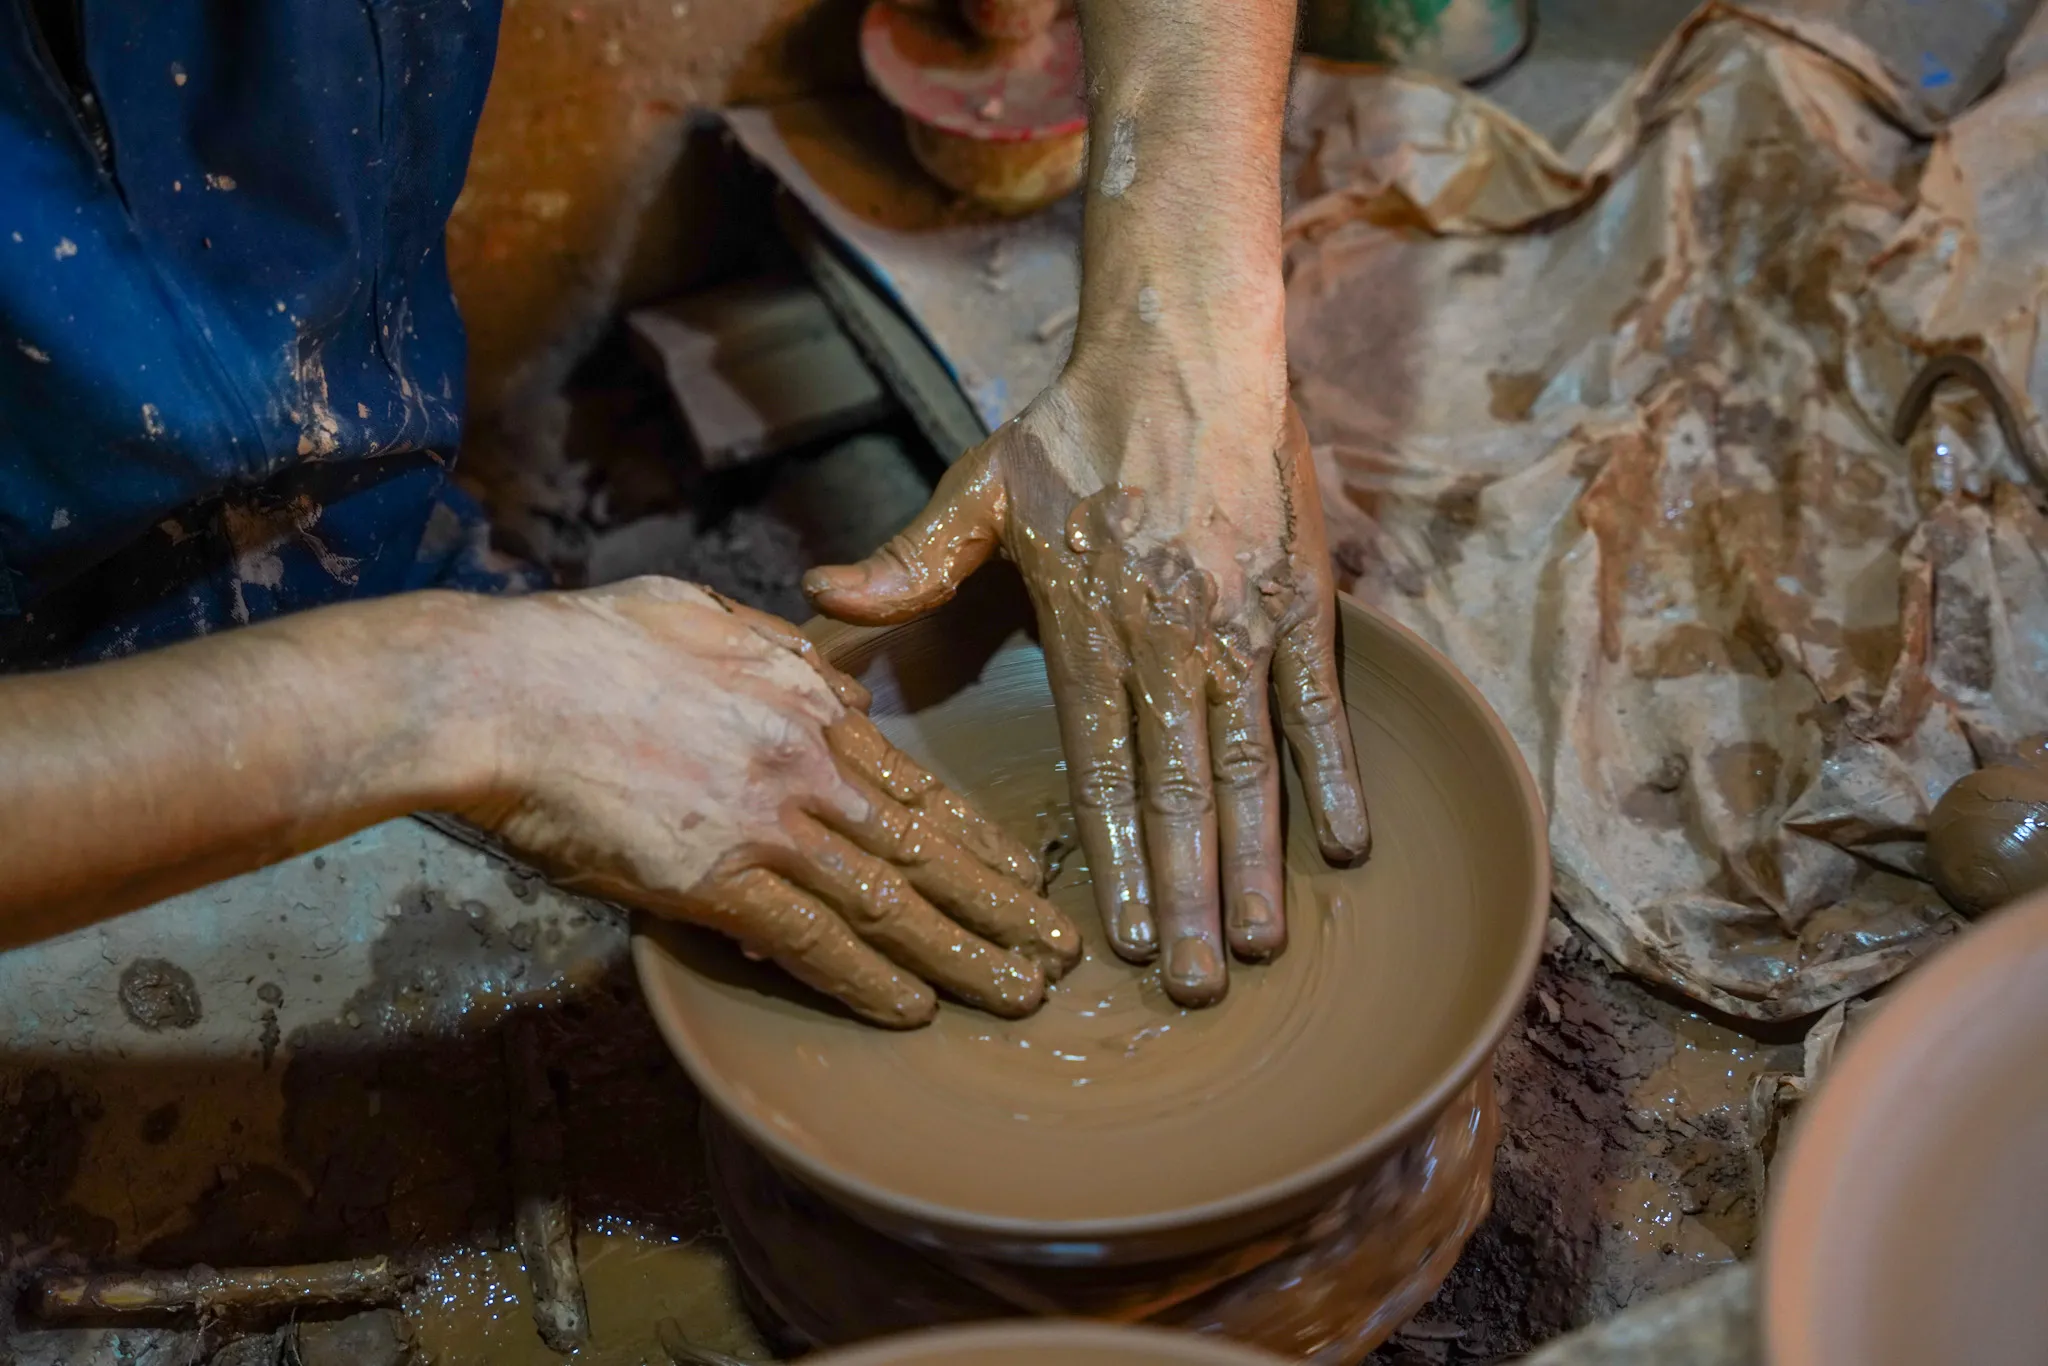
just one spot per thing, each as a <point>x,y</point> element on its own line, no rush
<point>924,564</point>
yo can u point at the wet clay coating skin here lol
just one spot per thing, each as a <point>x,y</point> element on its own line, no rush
<point>1159,499</point>
<point>1987,841</point>
<point>758,799</point>
<point>1160,652</point>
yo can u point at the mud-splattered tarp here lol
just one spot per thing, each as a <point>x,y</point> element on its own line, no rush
<point>1609,425</point>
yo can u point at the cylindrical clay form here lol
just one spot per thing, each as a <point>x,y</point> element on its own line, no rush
<point>1987,840</point>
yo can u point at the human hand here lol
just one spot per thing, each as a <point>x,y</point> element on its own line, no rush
<point>674,751</point>
<point>1162,507</point>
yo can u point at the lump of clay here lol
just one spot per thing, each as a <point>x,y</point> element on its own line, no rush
<point>1987,841</point>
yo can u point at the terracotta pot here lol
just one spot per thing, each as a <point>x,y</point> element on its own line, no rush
<point>1001,121</point>
<point>1015,176</point>
<point>1911,1224</point>
<point>1191,1131</point>
<point>1048,1344</point>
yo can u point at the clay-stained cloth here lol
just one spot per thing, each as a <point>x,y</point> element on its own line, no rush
<point>1608,424</point>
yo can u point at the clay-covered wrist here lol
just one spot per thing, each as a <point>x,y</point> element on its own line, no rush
<point>457,704</point>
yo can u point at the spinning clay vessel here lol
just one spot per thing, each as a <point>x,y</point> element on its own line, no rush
<point>1114,1129</point>
<point>1048,1344</point>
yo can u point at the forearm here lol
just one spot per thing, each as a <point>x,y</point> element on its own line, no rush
<point>1182,235</point>
<point>126,782</point>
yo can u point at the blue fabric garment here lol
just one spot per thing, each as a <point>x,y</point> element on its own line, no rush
<point>231,369</point>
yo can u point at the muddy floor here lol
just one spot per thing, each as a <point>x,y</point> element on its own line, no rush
<point>1624,1166</point>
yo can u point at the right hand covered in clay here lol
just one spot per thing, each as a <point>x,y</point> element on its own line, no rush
<point>690,756</point>
<point>1160,500</point>
<point>1178,581</point>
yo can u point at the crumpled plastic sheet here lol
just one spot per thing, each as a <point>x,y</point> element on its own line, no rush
<point>1609,425</point>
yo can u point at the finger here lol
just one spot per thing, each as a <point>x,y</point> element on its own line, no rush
<point>1319,732</point>
<point>864,750</point>
<point>884,910</point>
<point>1095,733</point>
<point>774,920</point>
<point>1180,824</point>
<point>1248,815</point>
<point>775,630</point>
<point>995,908</point>
<point>922,565</point>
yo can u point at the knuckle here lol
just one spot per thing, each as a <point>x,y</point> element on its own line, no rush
<point>911,838</point>
<point>906,557</point>
<point>1243,763</point>
<point>1316,708</point>
<point>1104,785</point>
<point>804,930</point>
<point>796,743</point>
<point>900,836</point>
<point>1177,790</point>
<point>886,906</point>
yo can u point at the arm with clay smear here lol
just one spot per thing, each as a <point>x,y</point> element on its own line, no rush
<point>1160,501</point>
<point>649,743</point>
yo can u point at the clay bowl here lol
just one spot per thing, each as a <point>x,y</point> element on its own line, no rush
<point>1912,1222</point>
<point>1113,1127</point>
<point>1002,122</point>
<point>1049,1344</point>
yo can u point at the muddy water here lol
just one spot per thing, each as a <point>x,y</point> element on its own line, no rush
<point>471,1308</point>
<point>1651,1213</point>
<point>1711,1068</point>
<point>1701,1087</point>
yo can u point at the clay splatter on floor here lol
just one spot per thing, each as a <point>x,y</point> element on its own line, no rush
<point>1625,1166</point>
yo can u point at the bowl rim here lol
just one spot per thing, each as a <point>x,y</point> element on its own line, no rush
<point>1051,1335</point>
<point>1937,1002</point>
<point>1277,1192</point>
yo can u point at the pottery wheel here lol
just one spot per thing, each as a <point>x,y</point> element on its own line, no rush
<point>1114,1125</point>
<point>1335,1285</point>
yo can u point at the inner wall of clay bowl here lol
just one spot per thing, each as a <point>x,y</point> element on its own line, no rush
<point>1113,1112</point>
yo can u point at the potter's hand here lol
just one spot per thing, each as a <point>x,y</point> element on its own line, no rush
<point>696,758</point>
<point>1177,562</point>
<point>1158,498</point>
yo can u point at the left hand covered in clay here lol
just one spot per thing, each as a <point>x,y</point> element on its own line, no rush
<point>669,749</point>
<point>1175,553</point>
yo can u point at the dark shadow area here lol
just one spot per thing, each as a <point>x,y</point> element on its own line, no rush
<point>398,1148</point>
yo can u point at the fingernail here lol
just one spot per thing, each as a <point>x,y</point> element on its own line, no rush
<point>833,578</point>
<point>1347,834</point>
<point>1059,949</point>
<point>912,1005</point>
<point>1256,929</point>
<point>1053,951</point>
<point>1132,933</point>
<point>1018,987</point>
<point>1194,974</point>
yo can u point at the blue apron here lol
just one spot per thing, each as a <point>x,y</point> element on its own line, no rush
<point>231,369</point>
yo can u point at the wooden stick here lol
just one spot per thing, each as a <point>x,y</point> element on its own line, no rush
<point>542,1221</point>
<point>247,1293</point>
